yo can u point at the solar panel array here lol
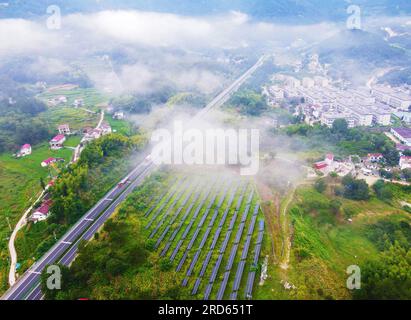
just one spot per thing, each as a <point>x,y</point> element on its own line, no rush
<point>194,225</point>
<point>162,195</point>
<point>189,187</point>
<point>214,242</point>
<point>234,249</point>
<point>164,204</point>
<point>204,238</point>
<point>197,231</point>
<point>223,248</point>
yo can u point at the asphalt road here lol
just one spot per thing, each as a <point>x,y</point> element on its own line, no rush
<point>64,251</point>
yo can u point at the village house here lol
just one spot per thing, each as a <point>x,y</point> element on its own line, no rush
<point>47,162</point>
<point>118,115</point>
<point>57,142</point>
<point>92,135</point>
<point>78,103</point>
<point>402,148</point>
<point>327,165</point>
<point>64,129</point>
<point>405,162</point>
<point>25,150</point>
<point>106,129</point>
<point>62,100</point>
<point>375,157</point>
<point>329,159</point>
<point>41,213</point>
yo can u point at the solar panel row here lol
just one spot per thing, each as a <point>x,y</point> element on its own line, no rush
<point>241,265</point>
<point>204,238</point>
<point>214,242</point>
<point>234,248</point>
<point>171,207</point>
<point>182,221</point>
<point>162,195</point>
<point>160,209</point>
<point>257,251</point>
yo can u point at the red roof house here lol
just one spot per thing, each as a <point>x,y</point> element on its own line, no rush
<point>320,165</point>
<point>48,161</point>
<point>57,141</point>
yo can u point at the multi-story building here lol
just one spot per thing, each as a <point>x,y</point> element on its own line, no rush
<point>402,134</point>
<point>395,98</point>
<point>328,118</point>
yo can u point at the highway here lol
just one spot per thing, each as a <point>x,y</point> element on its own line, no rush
<point>64,251</point>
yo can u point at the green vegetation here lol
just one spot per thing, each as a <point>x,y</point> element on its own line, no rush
<point>187,98</point>
<point>355,189</point>
<point>78,188</point>
<point>17,125</point>
<point>325,243</point>
<point>92,97</point>
<point>20,185</point>
<point>76,118</point>
<point>107,267</point>
<point>118,264</point>
<point>343,141</point>
<point>248,102</point>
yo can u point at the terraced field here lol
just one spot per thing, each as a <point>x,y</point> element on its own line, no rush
<point>211,230</point>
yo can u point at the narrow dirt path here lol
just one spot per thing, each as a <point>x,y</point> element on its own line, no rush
<point>12,249</point>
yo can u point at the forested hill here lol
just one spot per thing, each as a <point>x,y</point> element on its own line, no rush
<point>280,10</point>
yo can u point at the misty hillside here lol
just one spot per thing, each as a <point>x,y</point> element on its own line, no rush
<point>362,46</point>
<point>280,10</point>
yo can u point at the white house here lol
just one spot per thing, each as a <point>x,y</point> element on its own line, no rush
<point>78,103</point>
<point>118,115</point>
<point>106,129</point>
<point>375,157</point>
<point>47,162</point>
<point>41,213</point>
<point>25,150</point>
<point>57,142</point>
<point>64,129</point>
<point>405,162</point>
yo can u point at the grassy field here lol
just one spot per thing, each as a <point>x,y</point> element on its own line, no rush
<point>76,118</point>
<point>72,141</point>
<point>120,126</point>
<point>93,99</point>
<point>324,244</point>
<point>19,186</point>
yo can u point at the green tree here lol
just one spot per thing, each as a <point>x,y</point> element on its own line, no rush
<point>388,278</point>
<point>383,190</point>
<point>340,127</point>
<point>355,189</point>
<point>320,185</point>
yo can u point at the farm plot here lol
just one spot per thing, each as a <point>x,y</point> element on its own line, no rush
<point>210,229</point>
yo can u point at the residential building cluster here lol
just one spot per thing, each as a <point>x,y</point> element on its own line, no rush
<point>324,103</point>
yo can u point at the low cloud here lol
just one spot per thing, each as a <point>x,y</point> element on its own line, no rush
<point>159,49</point>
